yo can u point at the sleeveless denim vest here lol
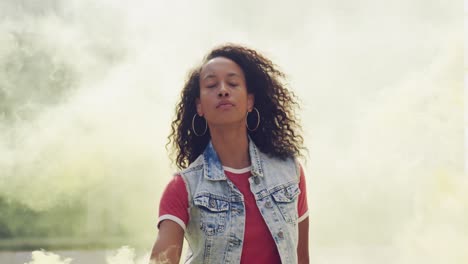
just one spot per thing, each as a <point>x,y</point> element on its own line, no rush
<point>215,230</point>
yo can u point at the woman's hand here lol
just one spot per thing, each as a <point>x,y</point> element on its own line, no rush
<point>168,246</point>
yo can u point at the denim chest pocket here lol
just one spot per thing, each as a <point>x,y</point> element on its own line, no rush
<point>286,199</point>
<point>213,214</point>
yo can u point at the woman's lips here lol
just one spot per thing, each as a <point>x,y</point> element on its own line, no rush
<point>225,105</point>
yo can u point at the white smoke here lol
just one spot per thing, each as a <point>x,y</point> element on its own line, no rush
<point>123,255</point>
<point>43,257</point>
<point>88,88</point>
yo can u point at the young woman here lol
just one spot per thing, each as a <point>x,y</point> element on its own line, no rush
<point>240,196</point>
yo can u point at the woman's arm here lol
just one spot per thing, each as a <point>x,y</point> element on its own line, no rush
<point>303,243</point>
<point>168,245</point>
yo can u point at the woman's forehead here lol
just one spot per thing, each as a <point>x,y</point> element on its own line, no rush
<point>221,65</point>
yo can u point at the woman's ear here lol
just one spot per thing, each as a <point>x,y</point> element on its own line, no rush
<point>199,107</point>
<point>250,101</point>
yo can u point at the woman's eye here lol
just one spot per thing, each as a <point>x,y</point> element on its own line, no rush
<point>233,84</point>
<point>211,86</point>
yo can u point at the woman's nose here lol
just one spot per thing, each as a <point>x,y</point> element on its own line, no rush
<point>221,94</point>
<point>223,91</point>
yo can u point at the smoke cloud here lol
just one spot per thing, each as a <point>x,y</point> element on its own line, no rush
<point>88,89</point>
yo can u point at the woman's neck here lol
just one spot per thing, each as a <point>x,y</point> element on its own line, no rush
<point>232,147</point>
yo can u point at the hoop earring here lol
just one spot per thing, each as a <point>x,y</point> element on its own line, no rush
<point>258,120</point>
<point>193,127</point>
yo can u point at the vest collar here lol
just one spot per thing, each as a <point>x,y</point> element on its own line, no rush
<point>213,169</point>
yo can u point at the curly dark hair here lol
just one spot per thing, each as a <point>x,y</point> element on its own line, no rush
<point>278,132</point>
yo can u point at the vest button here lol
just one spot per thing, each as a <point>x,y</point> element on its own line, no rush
<point>280,234</point>
<point>235,242</point>
<point>213,203</point>
<point>256,180</point>
<point>268,204</point>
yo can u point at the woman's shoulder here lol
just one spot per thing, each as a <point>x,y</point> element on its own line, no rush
<point>281,161</point>
<point>290,165</point>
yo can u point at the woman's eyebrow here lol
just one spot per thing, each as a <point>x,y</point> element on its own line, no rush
<point>209,75</point>
<point>233,74</point>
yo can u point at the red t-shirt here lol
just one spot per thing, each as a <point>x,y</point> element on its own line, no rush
<point>258,246</point>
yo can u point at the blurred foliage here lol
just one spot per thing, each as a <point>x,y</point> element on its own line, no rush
<point>65,226</point>
<point>17,220</point>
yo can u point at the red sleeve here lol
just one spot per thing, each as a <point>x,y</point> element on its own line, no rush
<point>302,207</point>
<point>174,202</point>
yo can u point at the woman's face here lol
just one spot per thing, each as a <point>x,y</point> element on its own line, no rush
<point>223,93</point>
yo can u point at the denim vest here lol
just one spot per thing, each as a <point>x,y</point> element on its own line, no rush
<point>215,230</point>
